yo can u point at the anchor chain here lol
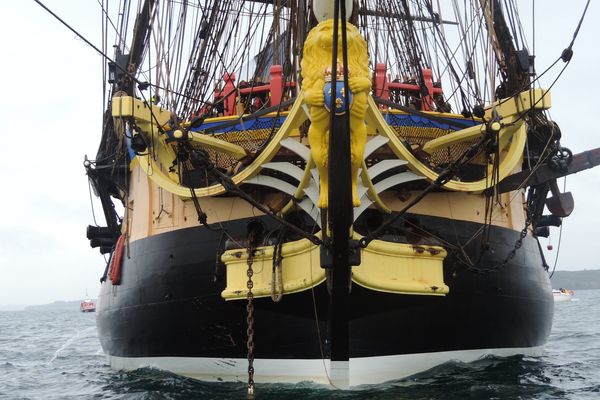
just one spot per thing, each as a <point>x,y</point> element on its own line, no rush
<point>510,255</point>
<point>513,252</point>
<point>250,318</point>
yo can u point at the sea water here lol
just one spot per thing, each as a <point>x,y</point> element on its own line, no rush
<point>56,355</point>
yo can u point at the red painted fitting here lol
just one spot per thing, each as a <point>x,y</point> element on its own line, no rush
<point>381,81</point>
<point>276,84</point>
<point>427,101</point>
<point>230,94</point>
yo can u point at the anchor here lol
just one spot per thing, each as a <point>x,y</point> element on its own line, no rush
<point>560,204</point>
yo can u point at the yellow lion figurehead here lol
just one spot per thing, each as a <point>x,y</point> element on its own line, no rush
<point>316,68</point>
<point>317,54</point>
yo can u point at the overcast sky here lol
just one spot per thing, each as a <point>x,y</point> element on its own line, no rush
<point>51,109</point>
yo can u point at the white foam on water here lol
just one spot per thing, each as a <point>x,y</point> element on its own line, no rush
<point>68,343</point>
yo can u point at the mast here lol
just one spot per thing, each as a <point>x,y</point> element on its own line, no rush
<point>514,69</point>
<point>141,33</point>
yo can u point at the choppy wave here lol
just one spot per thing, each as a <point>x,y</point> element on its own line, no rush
<point>56,355</point>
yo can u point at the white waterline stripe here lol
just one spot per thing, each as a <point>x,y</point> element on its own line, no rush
<point>362,370</point>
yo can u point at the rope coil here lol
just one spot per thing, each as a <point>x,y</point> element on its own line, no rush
<point>277,274</point>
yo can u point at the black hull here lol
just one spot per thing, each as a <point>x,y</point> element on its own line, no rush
<point>169,305</point>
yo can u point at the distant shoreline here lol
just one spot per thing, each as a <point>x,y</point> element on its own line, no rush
<point>61,305</point>
<point>575,280</point>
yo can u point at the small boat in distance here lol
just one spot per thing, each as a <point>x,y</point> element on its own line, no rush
<point>87,305</point>
<point>563,294</point>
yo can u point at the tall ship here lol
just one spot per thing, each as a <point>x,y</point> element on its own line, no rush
<point>343,192</point>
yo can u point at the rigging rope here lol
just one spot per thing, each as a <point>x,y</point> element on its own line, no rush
<point>200,160</point>
<point>568,52</point>
<point>444,177</point>
<point>277,272</point>
<point>559,235</point>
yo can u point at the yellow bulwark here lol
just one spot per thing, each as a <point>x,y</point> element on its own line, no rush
<point>402,268</point>
<point>385,267</point>
<point>301,269</point>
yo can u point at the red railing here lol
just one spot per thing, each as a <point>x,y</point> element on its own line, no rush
<point>255,95</point>
<point>425,102</point>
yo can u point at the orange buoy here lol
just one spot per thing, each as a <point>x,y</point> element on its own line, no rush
<point>114,271</point>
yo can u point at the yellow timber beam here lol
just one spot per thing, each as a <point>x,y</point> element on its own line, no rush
<point>218,144</point>
<point>508,110</point>
<point>153,169</point>
<point>371,192</point>
<point>148,117</point>
<point>537,99</point>
<point>462,135</point>
<point>145,115</point>
<point>510,161</point>
<point>303,184</point>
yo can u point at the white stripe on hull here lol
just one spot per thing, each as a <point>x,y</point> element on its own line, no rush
<point>362,370</point>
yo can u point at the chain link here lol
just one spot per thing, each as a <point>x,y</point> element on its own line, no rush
<point>510,255</point>
<point>250,318</point>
